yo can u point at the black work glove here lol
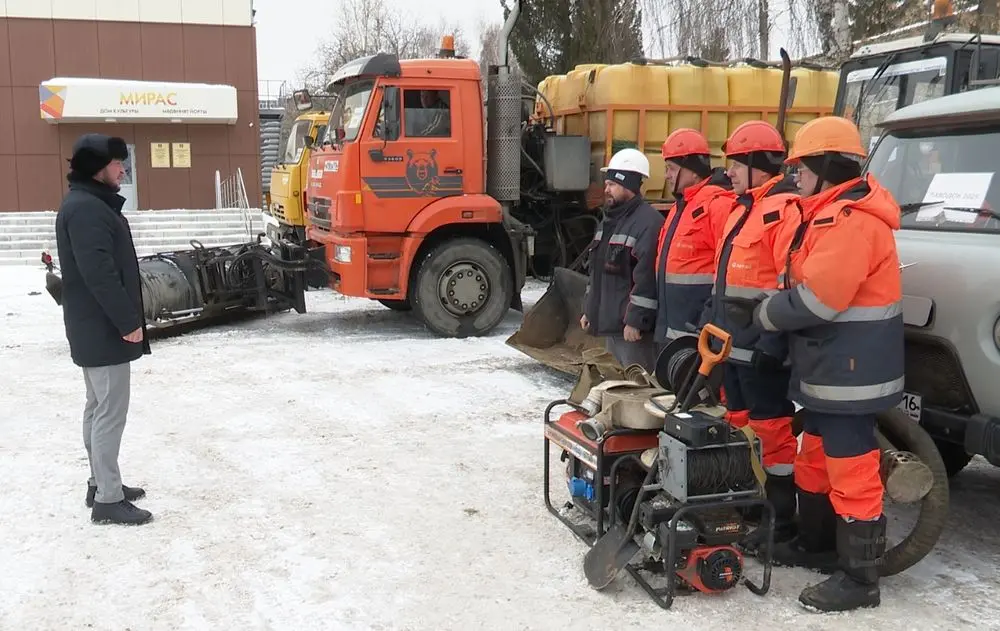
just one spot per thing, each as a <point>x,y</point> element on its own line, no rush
<point>739,311</point>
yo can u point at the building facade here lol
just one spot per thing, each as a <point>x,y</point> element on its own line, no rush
<point>177,79</point>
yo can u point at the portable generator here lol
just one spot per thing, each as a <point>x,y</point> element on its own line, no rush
<point>687,521</point>
<point>665,497</point>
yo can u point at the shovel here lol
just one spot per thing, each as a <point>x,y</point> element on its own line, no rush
<point>616,548</point>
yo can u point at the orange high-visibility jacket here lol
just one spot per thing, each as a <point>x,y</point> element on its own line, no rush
<point>843,302</point>
<point>685,256</point>
<point>751,260</point>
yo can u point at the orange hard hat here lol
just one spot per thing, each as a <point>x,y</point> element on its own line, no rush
<point>827,134</point>
<point>751,136</point>
<point>685,142</point>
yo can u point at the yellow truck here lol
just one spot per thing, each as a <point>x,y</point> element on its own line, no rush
<point>285,216</point>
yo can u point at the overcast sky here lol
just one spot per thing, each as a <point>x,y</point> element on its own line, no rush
<point>288,31</point>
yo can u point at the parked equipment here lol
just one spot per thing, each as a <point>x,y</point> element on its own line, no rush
<point>677,476</point>
<point>188,289</point>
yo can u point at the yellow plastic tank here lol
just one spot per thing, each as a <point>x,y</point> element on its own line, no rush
<point>752,87</point>
<point>577,90</point>
<point>809,93</point>
<point>701,88</point>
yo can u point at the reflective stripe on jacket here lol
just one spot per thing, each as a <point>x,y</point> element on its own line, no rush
<point>751,259</point>
<point>685,254</point>
<point>843,302</point>
<point>622,286</point>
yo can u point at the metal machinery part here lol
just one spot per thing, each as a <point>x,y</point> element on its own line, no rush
<point>187,289</point>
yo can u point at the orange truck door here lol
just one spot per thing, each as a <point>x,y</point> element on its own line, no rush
<point>401,177</point>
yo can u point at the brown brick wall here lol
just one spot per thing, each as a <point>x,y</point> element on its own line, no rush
<point>33,153</point>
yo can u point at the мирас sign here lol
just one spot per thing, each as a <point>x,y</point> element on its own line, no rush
<point>73,100</point>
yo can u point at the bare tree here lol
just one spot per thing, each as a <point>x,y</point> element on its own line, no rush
<point>368,27</point>
<point>727,30</point>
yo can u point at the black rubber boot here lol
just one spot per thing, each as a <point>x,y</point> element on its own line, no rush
<point>780,490</point>
<point>815,543</point>
<point>860,546</point>
<point>123,512</point>
<point>131,494</point>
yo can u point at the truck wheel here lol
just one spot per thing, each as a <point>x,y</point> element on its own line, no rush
<point>397,305</point>
<point>954,456</point>
<point>906,435</point>
<point>462,288</point>
<point>899,429</point>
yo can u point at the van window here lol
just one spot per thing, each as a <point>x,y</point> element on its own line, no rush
<point>943,180</point>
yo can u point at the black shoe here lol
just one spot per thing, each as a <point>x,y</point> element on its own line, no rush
<point>860,546</point>
<point>123,512</point>
<point>132,494</point>
<point>815,544</point>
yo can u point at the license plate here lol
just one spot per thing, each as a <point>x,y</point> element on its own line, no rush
<point>911,405</point>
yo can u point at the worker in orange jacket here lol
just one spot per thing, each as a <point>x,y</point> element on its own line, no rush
<point>750,261</point>
<point>685,256</point>
<point>842,309</point>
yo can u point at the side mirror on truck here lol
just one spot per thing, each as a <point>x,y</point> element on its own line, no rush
<point>390,107</point>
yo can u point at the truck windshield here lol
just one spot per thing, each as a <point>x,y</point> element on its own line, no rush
<point>942,179</point>
<point>296,142</point>
<point>872,97</point>
<point>349,110</point>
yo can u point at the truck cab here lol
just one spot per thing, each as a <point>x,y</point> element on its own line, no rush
<point>286,217</point>
<point>939,159</point>
<point>397,195</point>
<point>880,78</point>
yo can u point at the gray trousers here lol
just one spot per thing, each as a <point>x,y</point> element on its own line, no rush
<point>108,390</point>
<point>643,352</point>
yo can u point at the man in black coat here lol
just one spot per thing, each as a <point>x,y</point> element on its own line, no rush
<point>621,300</point>
<point>103,314</point>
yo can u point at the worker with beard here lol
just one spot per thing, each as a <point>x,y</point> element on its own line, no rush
<point>750,261</point>
<point>620,302</point>
<point>685,254</point>
<point>841,307</point>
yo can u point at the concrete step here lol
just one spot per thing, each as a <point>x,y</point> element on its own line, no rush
<point>13,233</point>
<point>136,217</point>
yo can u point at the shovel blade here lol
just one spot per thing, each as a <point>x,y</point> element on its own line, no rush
<point>608,556</point>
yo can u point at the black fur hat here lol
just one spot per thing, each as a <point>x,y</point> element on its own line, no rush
<point>93,152</point>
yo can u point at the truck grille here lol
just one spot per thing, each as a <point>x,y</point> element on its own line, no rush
<point>279,212</point>
<point>319,213</point>
<point>934,372</point>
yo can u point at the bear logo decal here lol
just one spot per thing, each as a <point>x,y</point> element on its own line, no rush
<point>422,172</point>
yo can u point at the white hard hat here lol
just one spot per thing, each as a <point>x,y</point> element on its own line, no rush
<point>629,160</point>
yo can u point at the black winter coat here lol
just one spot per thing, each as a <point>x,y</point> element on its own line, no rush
<point>101,290</point>
<point>622,286</point>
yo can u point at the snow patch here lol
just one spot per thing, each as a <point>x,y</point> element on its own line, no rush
<point>345,469</point>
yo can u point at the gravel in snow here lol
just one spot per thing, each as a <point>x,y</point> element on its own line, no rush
<point>344,469</point>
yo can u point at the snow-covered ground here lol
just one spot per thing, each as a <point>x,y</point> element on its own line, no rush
<point>344,469</point>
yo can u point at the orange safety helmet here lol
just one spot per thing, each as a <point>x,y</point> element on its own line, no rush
<point>827,134</point>
<point>751,136</point>
<point>685,142</point>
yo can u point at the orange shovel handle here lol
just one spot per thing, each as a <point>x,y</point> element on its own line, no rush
<point>710,360</point>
